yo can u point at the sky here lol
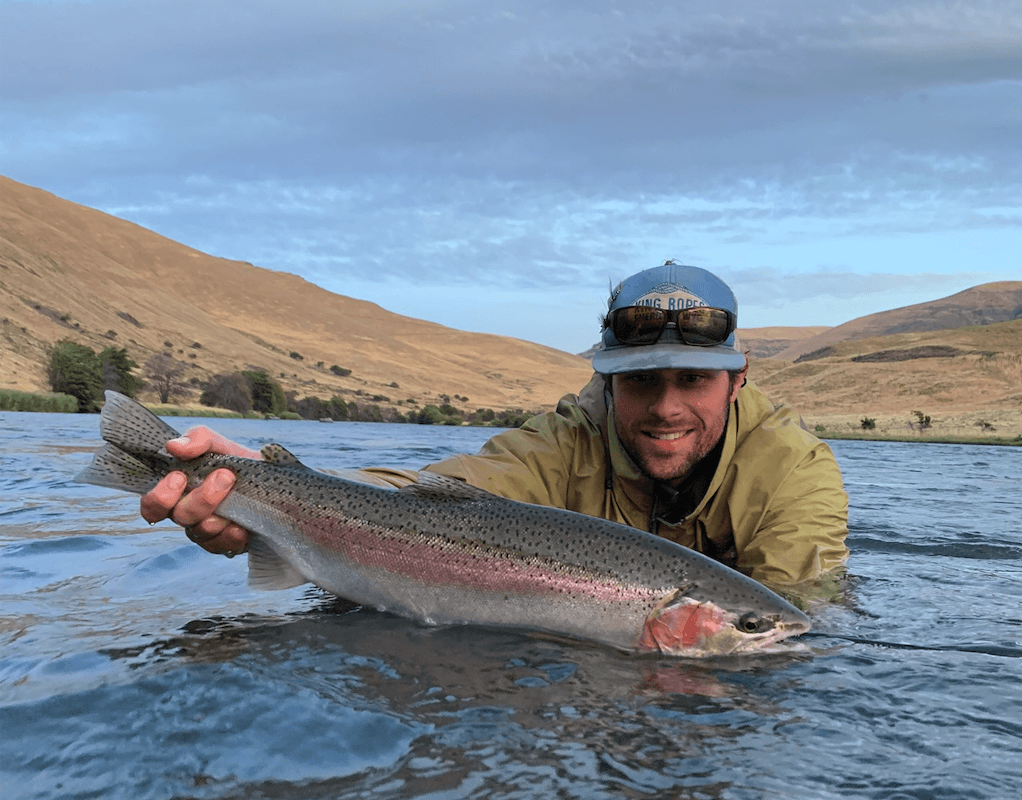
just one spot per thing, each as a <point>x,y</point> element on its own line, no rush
<point>496,166</point>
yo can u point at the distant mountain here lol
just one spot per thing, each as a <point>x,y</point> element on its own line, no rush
<point>981,305</point>
<point>765,342</point>
<point>67,271</point>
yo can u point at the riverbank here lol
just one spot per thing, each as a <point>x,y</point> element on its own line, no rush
<point>996,426</point>
<point>923,439</point>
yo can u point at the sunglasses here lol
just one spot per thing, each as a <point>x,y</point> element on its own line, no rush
<point>700,326</point>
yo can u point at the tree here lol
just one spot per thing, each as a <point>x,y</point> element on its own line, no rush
<point>117,371</point>
<point>267,394</point>
<point>163,375</point>
<point>75,370</point>
<point>228,391</point>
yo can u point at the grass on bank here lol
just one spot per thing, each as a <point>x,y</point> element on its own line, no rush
<point>14,400</point>
<point>934,438</point>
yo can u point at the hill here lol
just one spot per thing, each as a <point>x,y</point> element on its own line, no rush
<point>766,342</point>
<point>67,271</point>
<point>980,305</point>
<point>959,377</point>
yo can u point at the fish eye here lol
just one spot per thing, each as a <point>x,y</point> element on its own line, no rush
<point>753,623</point>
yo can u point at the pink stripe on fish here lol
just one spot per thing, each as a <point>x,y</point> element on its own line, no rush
<point>440,561</point>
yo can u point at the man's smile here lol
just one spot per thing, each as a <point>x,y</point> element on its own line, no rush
<point>665,437</point>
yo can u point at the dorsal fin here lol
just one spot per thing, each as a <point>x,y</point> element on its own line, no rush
<point>278,454</point>
<point>439,487</point>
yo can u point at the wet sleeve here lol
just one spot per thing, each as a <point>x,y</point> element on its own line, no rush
<point>801,534</point>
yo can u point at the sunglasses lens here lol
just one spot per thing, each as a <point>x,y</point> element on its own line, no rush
<point>704,326</point>
<point>701,326</point>
<point>638,324</point>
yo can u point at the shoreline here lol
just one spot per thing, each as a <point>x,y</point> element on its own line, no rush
<point>996,441</point>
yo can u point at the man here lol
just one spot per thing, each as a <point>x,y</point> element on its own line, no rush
<point>667,437</point>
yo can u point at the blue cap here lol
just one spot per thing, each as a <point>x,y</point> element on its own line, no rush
<point>670,286</point>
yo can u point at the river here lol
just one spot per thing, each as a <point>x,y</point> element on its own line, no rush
<point>134,665</point>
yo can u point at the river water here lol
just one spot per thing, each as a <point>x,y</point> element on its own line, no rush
<point>136,666</point>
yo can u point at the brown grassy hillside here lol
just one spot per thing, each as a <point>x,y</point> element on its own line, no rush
<point>980,305</point>
<point>766,342</point>
<point>958,377</point>
<point>67,271</point>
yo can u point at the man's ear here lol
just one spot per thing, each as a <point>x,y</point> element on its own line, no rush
<point>738,384</point>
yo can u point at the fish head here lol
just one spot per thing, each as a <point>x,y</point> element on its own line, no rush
<point>683,626</point>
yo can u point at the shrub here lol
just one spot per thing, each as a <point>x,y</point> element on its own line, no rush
<point>228,391</point>
<point>868,424</point>
<point>340,371</point>
<point>75,370</point>
<point>267,394</point>
<point>117,369</point>
<point>430,415</point>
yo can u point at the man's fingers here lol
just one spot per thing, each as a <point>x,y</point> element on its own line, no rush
<point>200,440</point>
<point>202,501</point>
<point>217,535</point>
<point>157,504</point>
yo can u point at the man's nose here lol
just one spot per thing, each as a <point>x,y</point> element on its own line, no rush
<point>667,401</point>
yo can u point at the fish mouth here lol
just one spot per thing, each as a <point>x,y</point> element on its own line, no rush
<point>771,641</point>
<point>697,630</point>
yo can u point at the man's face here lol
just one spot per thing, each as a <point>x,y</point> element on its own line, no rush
<point>669,419</point>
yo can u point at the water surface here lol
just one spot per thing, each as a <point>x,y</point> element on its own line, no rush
<point>134,665</point>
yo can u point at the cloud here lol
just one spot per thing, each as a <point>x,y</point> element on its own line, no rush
<point>535,145</point>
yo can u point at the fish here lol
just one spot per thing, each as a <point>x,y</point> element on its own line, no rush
<point>441,552</point>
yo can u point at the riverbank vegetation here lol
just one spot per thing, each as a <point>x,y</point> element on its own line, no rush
<point>79,376</point>
<point>13,400</point>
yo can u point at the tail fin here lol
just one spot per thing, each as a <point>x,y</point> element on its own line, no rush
<point>115,469</point>
<point>134,459</point>
<point>132,427</point>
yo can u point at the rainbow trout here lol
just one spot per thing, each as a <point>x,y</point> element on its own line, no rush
<point>441,551</point>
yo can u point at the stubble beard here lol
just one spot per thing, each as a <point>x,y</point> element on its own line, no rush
<point>678,474</point>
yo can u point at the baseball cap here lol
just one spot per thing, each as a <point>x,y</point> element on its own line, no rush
<point>670,286</point>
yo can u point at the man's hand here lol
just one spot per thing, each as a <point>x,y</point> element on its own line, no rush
<point>194,510</point>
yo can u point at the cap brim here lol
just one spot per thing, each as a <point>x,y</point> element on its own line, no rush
<point>666,356</point>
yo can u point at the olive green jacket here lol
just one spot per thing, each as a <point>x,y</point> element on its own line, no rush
<point>775,507</point>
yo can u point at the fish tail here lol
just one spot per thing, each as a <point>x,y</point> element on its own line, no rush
<point>132,427</point>
<point>113,468</point>
<point>134,458</point>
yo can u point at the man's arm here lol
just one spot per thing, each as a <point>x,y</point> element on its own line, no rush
<point>800,535</point>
